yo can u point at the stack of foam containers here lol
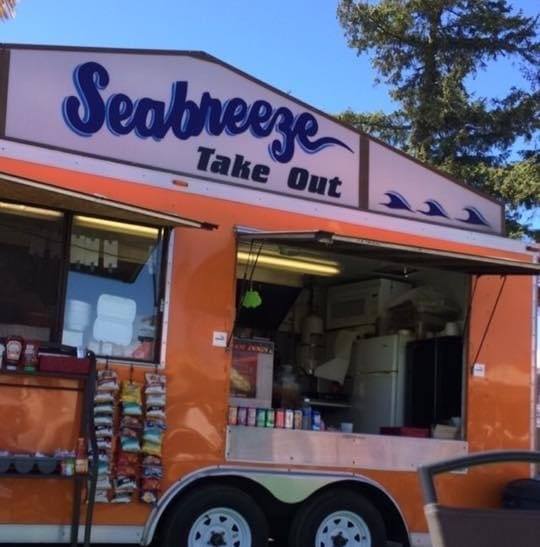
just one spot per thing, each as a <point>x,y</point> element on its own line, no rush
<point>77,319</point>
<point>114,319</point>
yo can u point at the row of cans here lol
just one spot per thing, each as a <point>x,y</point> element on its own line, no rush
<point>279,418</point>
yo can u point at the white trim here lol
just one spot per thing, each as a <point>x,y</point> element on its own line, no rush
<point>166,301</point>
<point>58,533</point>
<point>246,195</point>
<point>420,540</point>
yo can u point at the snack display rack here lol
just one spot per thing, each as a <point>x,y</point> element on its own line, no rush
<point>86,383</point>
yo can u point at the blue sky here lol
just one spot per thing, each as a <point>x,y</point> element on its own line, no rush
<point>294,45</point>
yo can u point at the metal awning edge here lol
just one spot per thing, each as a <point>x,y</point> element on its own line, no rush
<point>170,218</point>
<point>325,237</point>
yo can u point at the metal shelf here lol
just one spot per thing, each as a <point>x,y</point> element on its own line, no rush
<point>87,384</point>
<point>329,404</point>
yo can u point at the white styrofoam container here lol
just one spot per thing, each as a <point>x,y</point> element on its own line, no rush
<point>113,331</point>
<point>72,338</point>
<point>77,314</point>
<point>116,307</point>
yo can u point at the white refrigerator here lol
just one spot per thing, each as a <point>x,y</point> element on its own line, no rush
<point>378,370</point>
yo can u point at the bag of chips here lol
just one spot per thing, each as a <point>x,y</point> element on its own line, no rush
<point>125,484</point>
<point>131,393</point>
<point>122,497</point>
<point>107,380</point>
<point>151,460</point>
<point>149,496</point>
<point>131,409</point>
<point>152,471</point>
<point>133,422</point>
<point>154,384</point>
<point>129,444</point>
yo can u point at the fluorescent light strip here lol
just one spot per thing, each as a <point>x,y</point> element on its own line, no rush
<point>289,264</point>
<point>20,209</point>
<point>92,222</point>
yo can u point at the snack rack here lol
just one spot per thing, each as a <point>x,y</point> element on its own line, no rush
<point>86,383</point>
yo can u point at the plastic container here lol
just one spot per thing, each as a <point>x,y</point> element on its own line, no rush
<point>5,464</point>
<point>54,362</point>
<point>46,465</point>
<point>23,464</point>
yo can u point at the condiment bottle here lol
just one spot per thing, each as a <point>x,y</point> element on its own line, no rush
<point>81,458</point>
<point>14,349</point>
<point>30,358</point>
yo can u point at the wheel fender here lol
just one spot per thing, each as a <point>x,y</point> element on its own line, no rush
<point>286,486</point>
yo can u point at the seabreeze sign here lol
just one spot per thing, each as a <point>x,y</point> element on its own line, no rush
<point>181,113</point>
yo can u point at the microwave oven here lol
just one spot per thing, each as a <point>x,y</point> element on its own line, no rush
<point>360,303</point>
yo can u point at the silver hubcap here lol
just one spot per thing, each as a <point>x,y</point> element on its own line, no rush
<point>343,529</point>
<point>220,527</point>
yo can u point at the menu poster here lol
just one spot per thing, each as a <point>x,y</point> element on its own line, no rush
<point>247,358</point>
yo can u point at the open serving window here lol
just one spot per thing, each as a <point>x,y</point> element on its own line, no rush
<point>366,337</point>
<point>82,270</point>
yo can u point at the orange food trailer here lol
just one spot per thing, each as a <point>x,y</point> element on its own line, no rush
<point>289,317</point>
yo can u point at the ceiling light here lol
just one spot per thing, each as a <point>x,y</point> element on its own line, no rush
<point>113,225</point>
<point>28,210</point>
<point>279,263</point>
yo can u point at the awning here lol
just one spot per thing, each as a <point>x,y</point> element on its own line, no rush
<point>53,197</point>
<point>411,256</point>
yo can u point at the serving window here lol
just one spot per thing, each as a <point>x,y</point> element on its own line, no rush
<point>366,337</point>
<point>85,281</point>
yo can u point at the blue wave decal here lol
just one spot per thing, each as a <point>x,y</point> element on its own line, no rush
<point>435,209</point>
<point>474,217</point>
<point>397,201</point>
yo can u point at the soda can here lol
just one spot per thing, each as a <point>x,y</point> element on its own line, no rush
<point>233,415</point>
<point>289,419</point>
<point>280,418</point>
<point>298,415</point>
<point>270,417</point>
<point>252,417</point>
<point>261,417</point>
<point>242,416</point>
<point>315,420</point>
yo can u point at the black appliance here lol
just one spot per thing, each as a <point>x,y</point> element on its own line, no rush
<point>434,377</point>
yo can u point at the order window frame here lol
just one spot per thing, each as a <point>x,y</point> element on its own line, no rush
<point>163,238</point>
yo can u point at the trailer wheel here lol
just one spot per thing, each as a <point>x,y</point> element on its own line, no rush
<point>338,518</point>
<point>216,516</point>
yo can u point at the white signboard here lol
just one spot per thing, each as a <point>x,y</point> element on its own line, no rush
<point>400,186</point>
<point>185,114</point>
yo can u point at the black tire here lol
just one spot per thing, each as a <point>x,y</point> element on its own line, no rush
<point>184,515</point>
<point>312,514</point>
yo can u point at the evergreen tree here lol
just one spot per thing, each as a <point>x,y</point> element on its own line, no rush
<point>425,51</point>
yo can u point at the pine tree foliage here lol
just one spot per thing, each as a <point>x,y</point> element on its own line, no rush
<point>427,51</point>
<point>7,8</point>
